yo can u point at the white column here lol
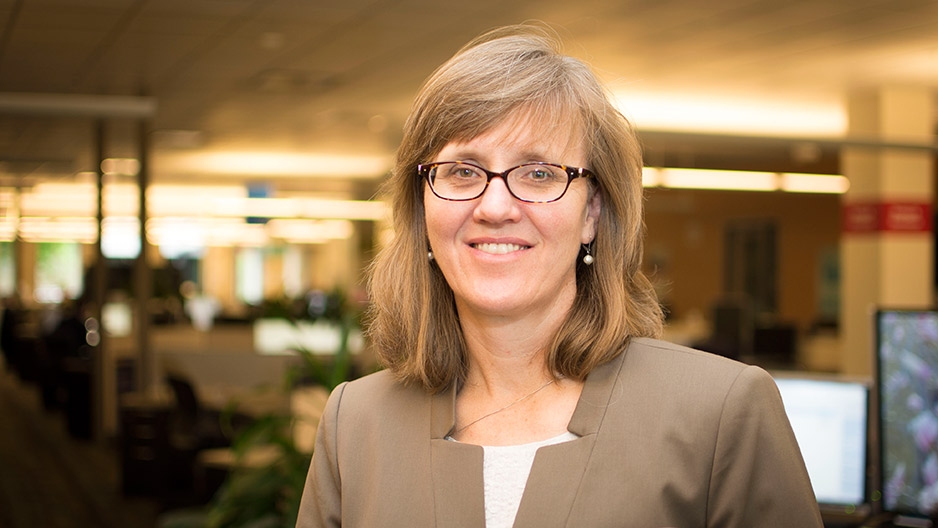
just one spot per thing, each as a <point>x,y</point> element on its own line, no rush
<point>887,243</point>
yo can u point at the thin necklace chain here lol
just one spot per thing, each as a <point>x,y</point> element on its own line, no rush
<point>519,400</point>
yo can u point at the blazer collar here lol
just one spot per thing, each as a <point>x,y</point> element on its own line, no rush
<point>443,413</point>
<point>457,468</point>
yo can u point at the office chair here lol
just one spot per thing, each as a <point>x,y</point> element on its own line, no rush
<point>192,426</point>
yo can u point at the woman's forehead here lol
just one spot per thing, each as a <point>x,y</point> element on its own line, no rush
<point>525,130</point>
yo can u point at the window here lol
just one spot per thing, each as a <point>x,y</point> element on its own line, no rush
<point>7,269</point>
<point>249,272</point>
<point>58,271</point>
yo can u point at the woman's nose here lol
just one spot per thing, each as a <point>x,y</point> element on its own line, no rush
<point>496,204</point>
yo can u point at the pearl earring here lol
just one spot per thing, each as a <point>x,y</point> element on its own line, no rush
<point>587,258</point>
<point>430,255</point>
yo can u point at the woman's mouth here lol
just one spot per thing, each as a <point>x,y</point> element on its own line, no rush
<point>498,249</point>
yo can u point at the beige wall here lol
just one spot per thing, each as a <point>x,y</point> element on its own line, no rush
<point>685,231</point>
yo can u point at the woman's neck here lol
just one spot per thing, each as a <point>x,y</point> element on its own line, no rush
<point>505,356</point>
<point>515,343</point>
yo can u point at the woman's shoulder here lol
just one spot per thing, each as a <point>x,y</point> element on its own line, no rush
<point>657,350</point>
<point>671,391</point>
<point>378,410</point>
<point>376,391</point>
<point>677,365</point>
<point>381,379</point>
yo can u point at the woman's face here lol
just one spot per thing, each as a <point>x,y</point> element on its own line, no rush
<point>503,257</point>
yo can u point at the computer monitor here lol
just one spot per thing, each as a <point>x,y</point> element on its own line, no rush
<point>829,419</point>
<point>907,394</point>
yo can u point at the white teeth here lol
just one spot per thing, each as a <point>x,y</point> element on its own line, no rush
<point>498,249</point>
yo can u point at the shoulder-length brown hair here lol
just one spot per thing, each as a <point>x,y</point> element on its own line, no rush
<point>413,324</point>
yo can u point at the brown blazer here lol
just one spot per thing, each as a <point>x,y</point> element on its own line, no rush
<point>669,437</point>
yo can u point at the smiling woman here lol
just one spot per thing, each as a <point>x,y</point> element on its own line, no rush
<point>501,255</point>
<point>524,384</point>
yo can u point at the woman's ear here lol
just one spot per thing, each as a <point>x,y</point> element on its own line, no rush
<point>591,225</point>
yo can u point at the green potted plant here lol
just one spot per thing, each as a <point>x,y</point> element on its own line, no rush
<point>266,493</point>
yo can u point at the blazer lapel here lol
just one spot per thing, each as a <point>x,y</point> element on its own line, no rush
<point>558,470</point>
<point>458,495</point>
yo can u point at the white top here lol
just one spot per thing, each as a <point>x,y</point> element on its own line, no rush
<point>505,473</point>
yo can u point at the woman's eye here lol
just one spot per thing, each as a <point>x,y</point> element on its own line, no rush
<point>464,172</point>
<point>538,174</point>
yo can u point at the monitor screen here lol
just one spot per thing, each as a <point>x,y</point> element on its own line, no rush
<point>907,390</point>
<point>829,418</point>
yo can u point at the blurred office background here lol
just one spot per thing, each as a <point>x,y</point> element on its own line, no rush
<point>189,191</point>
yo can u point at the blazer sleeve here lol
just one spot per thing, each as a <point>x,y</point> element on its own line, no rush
<point>321,503</point>
<point>758,477</point>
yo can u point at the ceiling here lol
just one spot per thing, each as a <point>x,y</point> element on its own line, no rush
<point>330,83</point>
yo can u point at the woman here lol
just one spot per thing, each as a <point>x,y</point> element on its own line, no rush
<point>523,385</point>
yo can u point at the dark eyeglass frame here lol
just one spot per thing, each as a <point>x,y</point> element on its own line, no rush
<point>424,171</point>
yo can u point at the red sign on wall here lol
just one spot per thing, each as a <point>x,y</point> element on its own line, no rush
<point>887,217</point>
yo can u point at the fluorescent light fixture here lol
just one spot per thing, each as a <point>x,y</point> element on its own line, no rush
<point>62,229</point>
<point>78,199</point>
<point>696,113</point>
<point>193,235</point>
<point>744,180</point>
<point>123,166</point>
<point>190,200</point>
<point>9,214</point>
<point>59,199</point>
<point>8,200</point>
<point>121,199</point>
<point>296,207</point>
<point>350,209</point>
<point>7,230</point>
<point>276,164</point>
<point>813,183</point>
<point>718,179</point>
<point>309,231</point>
<point>162,192</point>
<point>650,177</point>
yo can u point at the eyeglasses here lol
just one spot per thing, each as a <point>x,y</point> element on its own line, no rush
<point>460,181</point>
